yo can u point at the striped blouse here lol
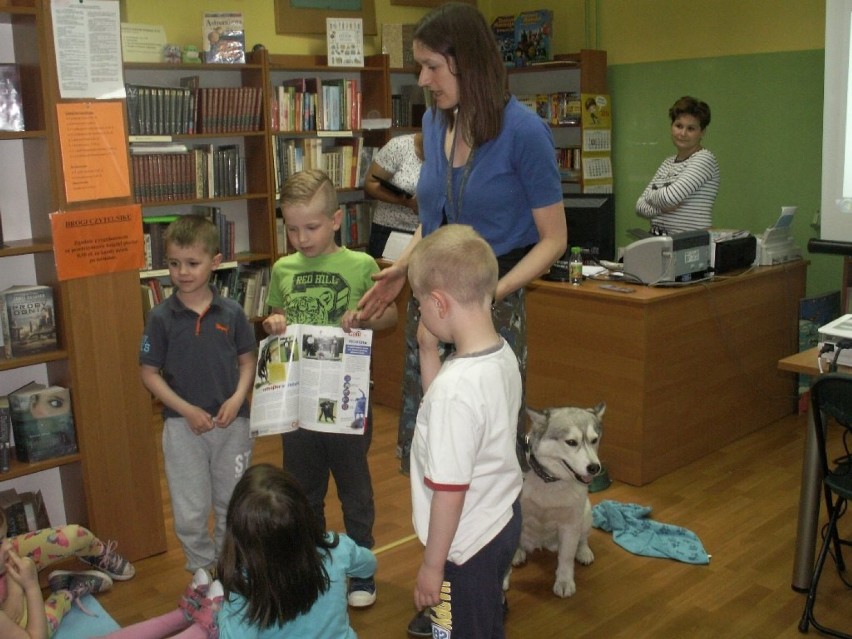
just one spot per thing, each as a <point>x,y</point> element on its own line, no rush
<point>681,195</point>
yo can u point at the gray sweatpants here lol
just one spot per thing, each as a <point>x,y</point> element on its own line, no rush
<point>202,471</point>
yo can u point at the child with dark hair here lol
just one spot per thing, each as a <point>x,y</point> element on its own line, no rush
<point>281,574</point>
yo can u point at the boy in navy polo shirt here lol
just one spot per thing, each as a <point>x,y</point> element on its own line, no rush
<point>198,357</point>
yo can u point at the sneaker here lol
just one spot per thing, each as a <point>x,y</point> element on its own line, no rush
<point>79,584</point>
<point>110,562</point>
<point>362,592</point>
<point>421,624</point>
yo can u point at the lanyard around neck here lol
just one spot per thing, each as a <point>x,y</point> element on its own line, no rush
<point>454,211</point>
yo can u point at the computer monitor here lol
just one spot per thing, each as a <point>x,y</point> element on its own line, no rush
<point>591,224</point>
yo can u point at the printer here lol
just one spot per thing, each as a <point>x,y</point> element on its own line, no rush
<point>834,333</point>
<point>680,257</point>
<point>777,245</point>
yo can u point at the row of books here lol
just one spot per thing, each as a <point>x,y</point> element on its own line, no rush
<point>559,108</point>
<point>354,229</point>
<point>154,228</point>
<point>156,110</point>
<point>27,321</point>
<point>186,173</point>
<point>313,104</point>
<point>40,420</point>
<point>409,105</point>
<point>569,160</point>
<point>246,284</point>
<point>345,162</point>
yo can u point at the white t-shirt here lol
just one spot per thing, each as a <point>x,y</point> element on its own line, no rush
<point>465,440</point>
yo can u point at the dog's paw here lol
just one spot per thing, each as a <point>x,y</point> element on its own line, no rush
<point>585,555</point>
<point>506,579</point>
<point>520,557</point>
<point>564,588</point>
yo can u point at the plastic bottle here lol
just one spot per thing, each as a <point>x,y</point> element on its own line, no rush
<point>575,266</point>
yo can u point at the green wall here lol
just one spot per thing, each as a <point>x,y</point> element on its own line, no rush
<point>766,132</point>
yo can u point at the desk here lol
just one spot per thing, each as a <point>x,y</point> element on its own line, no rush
<point>805,363</point>
<point>684,371</point>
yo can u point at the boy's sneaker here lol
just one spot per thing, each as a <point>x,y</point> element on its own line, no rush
<point>79,584</point>
<point>362,592</point>
<point>421,624</point>
<point>110,562</point>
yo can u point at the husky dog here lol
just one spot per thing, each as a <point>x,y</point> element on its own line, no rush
<point>557,514</point>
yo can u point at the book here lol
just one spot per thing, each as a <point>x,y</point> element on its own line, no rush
<point>42,422</point>
<point>5,434</point>
<point>11,104</point>
<point>533,37</point>
<point>504,32</point>
<point>13,507</point>
<point>313,377</point>
<point>29,320</point>
<point>224,37</point>
<point>345,41</point>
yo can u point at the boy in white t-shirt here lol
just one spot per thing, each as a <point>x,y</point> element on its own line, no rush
<point>465,476</point>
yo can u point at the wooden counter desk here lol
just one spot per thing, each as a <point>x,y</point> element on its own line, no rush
<point>683,370</point>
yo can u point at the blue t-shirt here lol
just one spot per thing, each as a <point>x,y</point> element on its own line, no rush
<point>510,175</point>
<point>329,616</point>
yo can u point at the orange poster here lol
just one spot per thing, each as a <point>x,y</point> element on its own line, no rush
<point>97,241</point>
<point>93,140</point>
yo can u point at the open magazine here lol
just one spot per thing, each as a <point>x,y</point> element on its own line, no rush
<point>314,377</point>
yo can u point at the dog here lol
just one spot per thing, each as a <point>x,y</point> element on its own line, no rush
<point>557,515</point>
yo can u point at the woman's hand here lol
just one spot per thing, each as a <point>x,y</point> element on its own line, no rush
<point>389,283</point>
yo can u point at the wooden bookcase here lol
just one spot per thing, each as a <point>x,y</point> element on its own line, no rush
<point>580,73</point>
<point>112,484</point>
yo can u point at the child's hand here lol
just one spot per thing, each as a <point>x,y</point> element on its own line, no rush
<point>427,588</point>
<point>227,412</point>
<point>426,341</point>
<point>275,324</point>
<point>350,320</point>
<point>21,570</point>
<point>199,420</point>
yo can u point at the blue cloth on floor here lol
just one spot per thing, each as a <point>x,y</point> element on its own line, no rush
<point>76,624</point>
<point>635,533</point>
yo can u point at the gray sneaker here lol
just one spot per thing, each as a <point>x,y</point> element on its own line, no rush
<point>110,562</point>
<point>421,624</point>
<point>79,584</point>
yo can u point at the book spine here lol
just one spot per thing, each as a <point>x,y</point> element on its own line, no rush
<point>5,435</point>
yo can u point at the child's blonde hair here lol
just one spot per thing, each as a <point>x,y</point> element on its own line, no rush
<point>457,260</point>
<point>309,186</point>
<point>190,230</point>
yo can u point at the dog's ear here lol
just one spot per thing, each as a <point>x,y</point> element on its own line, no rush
<point>538,418</point>
<point>599,410</point>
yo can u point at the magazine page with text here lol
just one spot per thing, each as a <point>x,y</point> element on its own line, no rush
<point>314,377</point>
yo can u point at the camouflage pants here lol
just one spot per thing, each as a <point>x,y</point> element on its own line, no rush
<point>510,320</point>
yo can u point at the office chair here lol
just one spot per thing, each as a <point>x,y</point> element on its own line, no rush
<point>831,405</point>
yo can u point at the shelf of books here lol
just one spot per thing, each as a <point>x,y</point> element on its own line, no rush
<point>569,93</point>
<point>317,121</point>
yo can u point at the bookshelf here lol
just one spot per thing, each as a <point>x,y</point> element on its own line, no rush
<point>315,140</point>
<point>579,74</point>
<point>111,485</point>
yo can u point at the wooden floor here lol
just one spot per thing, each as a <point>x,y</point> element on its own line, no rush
<point>741,502</point>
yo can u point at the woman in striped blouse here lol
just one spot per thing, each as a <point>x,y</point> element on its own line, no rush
<point>682,193</point>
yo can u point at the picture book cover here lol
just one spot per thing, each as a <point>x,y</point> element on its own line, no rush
<point>29,320</point>
<point>533,37</point>
<point>345,40</point>
<point>224,38</point>
<point>42,422</point>
<point>504,30</point>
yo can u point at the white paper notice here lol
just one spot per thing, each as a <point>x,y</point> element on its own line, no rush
<point>87,41</point>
